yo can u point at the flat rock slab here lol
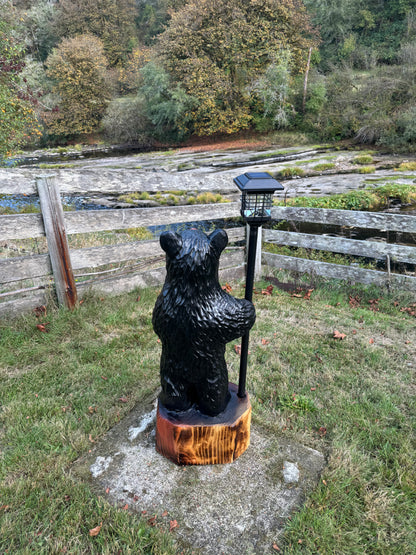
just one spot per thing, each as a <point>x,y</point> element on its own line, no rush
<point>238,508</point>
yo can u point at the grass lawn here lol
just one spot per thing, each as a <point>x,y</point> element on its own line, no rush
<point>333,368</point>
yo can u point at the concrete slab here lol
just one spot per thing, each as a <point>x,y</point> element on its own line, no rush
<point>239,508</point>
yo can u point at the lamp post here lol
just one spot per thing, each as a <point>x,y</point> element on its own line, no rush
<point>257,190</point>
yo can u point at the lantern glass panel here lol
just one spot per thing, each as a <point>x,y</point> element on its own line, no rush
<point>256,206</point>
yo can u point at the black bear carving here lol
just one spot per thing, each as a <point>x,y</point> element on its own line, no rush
<point>195,318</point>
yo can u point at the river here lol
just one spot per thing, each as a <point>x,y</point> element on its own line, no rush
<point>101,182</point>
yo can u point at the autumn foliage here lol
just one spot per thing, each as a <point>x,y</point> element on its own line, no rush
<point>217,49</point>
<point>78,69</point>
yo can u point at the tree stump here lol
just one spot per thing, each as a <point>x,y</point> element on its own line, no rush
<point>190,437</point>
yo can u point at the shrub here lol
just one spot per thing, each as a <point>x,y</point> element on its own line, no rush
<point>125,121</point>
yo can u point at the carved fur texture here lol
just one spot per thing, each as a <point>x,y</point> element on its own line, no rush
<point>194,319</point>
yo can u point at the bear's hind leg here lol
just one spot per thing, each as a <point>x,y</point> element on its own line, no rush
<point>174,396</point>
<point>213,397</point>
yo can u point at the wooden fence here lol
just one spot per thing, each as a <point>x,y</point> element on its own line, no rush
<point>388,252</point>
<point>26,281</point>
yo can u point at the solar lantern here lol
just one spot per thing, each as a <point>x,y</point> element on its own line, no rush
<point>257,189</point>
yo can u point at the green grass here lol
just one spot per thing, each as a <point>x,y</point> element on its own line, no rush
<point>369,199</point>
<point>352,399</point>
<point>324,166</point>
<point>59,392</point>
<point>363,159</point>
<point>406,166</point>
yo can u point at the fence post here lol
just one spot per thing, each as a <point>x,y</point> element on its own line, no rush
<point>257,265</point>
<point>53,221</point>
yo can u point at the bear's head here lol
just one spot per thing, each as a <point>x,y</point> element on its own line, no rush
<point>193,254</point>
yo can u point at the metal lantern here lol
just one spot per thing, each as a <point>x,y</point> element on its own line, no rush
<point>257,190</point>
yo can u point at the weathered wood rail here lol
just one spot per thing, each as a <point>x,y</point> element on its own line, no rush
<point>362,248</point>
<point>26,281</point>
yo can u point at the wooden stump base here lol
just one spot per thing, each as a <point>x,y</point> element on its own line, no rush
<point>190,437</point>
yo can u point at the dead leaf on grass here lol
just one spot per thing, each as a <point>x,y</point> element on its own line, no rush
<point>308,294</point>
<point>339,335</point>
<point>172,525</point>
<point>268,291</point>
<point>95,531</point>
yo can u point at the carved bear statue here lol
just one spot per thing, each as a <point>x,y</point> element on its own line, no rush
<point>195,318</point>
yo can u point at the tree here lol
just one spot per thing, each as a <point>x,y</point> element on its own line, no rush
<point>110,20</point>
<point>217,48</point>
<point>18,123</point>
<point>40,37</point>
<point>78,69</point>
<point>273,88</point>
<point>167,107</point>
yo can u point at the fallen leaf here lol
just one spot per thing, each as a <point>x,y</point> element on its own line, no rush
<point>40,311</point>
<point>107,491</point>
<point>42,327</point>
<point>308,294</point>
<point>90,438</point>
<point>126,506</point>
<point>138,299</point>
<point>354,302</point>
<point>4,508</point>
<point>227,288</point>
<point>324,482</point>
<point>123,399</point>
<point>276,547</point>
<point>265,342</point>
<point>237,349</point>
<point>339,335</point>
<point>172,525</point>
<point>152,521</point>
<point>371,341</point>
<point>81,301</point>
<point>322,431</point>
<point>268,291</point>
<point>165,513</point>
<point>95,531</point>
<point>104,378</point>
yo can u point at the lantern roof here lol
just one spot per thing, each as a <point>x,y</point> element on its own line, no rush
<point>257,182</point>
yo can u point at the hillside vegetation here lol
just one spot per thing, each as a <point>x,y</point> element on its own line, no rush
<point>164,70</point>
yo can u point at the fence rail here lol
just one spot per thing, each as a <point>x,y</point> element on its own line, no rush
<point>363,248</point>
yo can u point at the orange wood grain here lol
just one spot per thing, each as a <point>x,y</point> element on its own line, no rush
<point>201,442</point>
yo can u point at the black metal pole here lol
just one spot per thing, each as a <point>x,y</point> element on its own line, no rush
<point>251,264</point>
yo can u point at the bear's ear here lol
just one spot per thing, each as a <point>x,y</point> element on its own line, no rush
<point>171,243</point>
<point>218,240</point>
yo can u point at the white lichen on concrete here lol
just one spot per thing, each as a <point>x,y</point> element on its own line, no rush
<point>290,472</point>
<point>101,465</point>
<point>144,423</point>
